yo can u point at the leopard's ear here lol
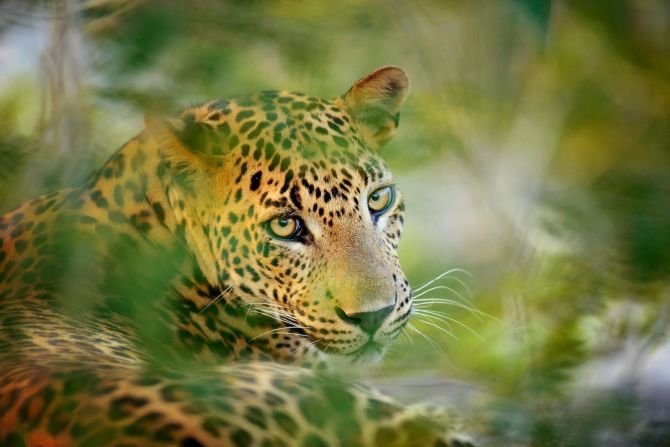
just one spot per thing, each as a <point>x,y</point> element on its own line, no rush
<point>174,140</point>
<point>374,103</point>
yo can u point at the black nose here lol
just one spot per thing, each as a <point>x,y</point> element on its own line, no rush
<point>368,321</point>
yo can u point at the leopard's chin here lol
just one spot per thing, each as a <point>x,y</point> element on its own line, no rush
<point>370,352</point>
<point>367,352</point>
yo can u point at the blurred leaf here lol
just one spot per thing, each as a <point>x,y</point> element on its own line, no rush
<point>13,156</point>
<point>539,11</point>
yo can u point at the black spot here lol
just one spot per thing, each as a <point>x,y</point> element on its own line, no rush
<point>17,231</point>
<point>295,197</point>
<point>233,142</point>
<point>14,440</point>
<point>116,217</point>
<point>44,207</point>
<point>269,150</point>
<point>213,424</point>
<point>99,200</point>
<point>44,398</point>
<point>244,114</point>
<point>61,417</point>
<point>123,407</point>
<point>118,195</point>
<point>275,162</point>
<point>20,246</point>
<point>257,131</point>
<point>171,393</point>
<point>243,170</point>
<point>255,181</point>
<point>79,430</point>
<point>285,164</point>
<point>256,416</point>
<point>287,181</point>
<point>223,129</point>
<point>158,210</point>
<point>272,399</point>
<point>16,218</point>
<point>454,443</point>
<point>285,422</point>
<point>190,441</point>
<point>241,438</point>
<point>165,433</point>
<point>221,105</point>
<point>244,128</point>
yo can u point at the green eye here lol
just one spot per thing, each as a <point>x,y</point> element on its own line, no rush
<point>285,227</point>
<point>381,200</point>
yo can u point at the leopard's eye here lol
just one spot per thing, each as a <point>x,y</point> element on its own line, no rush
<point>285,227</point>
<point>381,200</point>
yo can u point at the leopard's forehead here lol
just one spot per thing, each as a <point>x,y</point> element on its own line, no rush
<point>287,130</point>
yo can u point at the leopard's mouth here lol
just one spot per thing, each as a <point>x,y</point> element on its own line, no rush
<point>369,351</point>
<point>343,340</point>
<point>370,347</point>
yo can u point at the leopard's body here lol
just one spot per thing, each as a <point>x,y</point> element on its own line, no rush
<point>153,305</point>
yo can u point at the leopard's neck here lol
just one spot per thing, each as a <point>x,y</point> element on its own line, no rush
<point>130,250</point>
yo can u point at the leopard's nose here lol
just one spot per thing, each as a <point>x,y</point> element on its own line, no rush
<point>369,322</point>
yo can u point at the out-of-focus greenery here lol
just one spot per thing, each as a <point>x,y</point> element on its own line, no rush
<point>534,152</point>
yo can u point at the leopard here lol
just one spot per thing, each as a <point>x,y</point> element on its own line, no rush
<point>193,290</point>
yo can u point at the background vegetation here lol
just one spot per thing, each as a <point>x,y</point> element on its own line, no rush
<point>534,152</point>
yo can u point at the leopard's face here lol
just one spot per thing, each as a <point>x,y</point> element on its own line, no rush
<point>295,215</point>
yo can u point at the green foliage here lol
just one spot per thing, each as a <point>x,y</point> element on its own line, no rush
<point>532,151</point>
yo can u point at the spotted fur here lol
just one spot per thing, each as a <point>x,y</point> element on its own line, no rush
<point>152,306</point>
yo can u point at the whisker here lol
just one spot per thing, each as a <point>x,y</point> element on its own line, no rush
<point>440,276</point>
<point>432,343</point>
<point>266,312</point>
<point>275,316</point>
<point>279,329</point>
<point>455,321</point>
<point>434,315</point>
<point>404,337</point>
<point>261,303</point>
<point>217,298</point>
<point>451,334</point>
<point>467,301</point>
<point>423,303</point>
<point>270,307</point>
<point>463,284</point>
<point>303,347</point>
<point>429,301</point>
<point>272,310</point>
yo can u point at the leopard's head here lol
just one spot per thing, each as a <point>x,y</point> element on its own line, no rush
<point>289,208</point>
